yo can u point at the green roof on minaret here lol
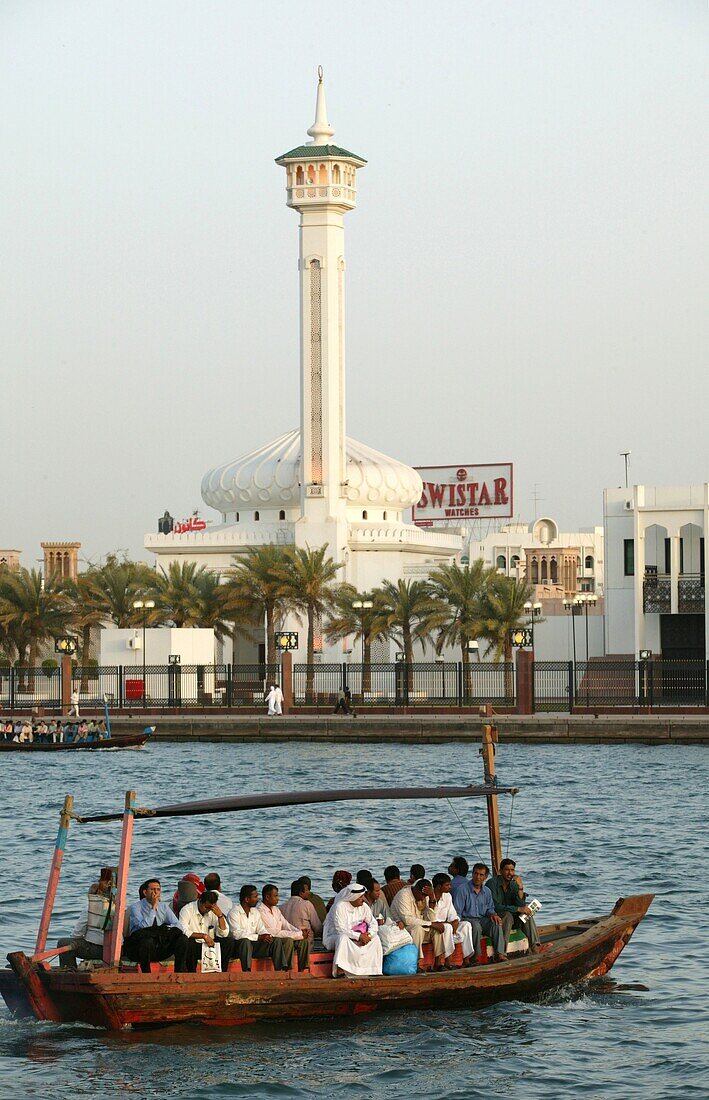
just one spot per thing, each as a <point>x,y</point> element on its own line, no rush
<point>318,152</point>
<point>321,131</point>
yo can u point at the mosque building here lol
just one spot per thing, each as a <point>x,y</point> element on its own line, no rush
<point>314,485</point>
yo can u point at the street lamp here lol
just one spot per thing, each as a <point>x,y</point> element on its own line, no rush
<point>534,610</point>
<point>574,608</point>
<point>587,600</point>
<point>145,606</point>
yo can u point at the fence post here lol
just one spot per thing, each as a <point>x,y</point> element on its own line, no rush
<point>120,686</point>
<point>460,683</point>
<point>229,673</point>
<point>572,686</point>
<point>287,680</point>
<point>12,687</point>
<point>343,684</point>
<point>406,683</point>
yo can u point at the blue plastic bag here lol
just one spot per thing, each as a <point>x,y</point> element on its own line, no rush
<point>404,960</point>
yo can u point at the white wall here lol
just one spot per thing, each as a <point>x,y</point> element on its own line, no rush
<point>194,646</point>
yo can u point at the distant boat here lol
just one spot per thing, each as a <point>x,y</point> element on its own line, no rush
<point>115,741</point>
<point>116,995</point>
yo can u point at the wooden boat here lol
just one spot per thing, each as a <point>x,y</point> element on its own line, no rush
<point>115,995</point>
<point>116,741</point>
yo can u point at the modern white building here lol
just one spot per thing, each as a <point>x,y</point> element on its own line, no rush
<point>655,576</point>
<point>313,485</point>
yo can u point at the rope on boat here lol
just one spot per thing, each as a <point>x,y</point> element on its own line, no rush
<point>509,826</point>
<point>460,822</point>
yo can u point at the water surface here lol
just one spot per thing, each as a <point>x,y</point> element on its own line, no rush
<point>591,823</point>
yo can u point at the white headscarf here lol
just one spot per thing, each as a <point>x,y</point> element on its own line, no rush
<point>353,889</point>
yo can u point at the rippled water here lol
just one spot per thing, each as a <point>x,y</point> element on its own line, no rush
<point>592,823</point>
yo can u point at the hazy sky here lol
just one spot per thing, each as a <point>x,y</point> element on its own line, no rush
<point>526,266</point>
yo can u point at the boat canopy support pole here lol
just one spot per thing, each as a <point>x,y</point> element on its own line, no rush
<point>113,943</point>
<point>54,871</point>
<point>487,751</point>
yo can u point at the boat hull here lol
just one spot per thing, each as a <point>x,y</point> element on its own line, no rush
<point>113,999</point>
<point>120,741</point>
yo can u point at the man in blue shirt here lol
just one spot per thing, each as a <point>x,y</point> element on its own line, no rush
<point>154,932</point>
<point>483,918</point>
<point>460,886</point>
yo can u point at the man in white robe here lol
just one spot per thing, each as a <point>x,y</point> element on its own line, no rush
<point>412,906</point>
<point>358,950</point>
<point>275,700</point>
<point>455,930</point>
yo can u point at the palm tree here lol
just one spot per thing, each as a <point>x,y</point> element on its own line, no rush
<point>178,593</point>
<point>212,604</point>
<point>32,610</point>
<point>461,591</point>
<point>308,587</point>
<point>253,592</point>
<point>407,611</point>
<point>347,621</point>
<point>503,612</point>
<point>116,585</point>
<point>88,611</point>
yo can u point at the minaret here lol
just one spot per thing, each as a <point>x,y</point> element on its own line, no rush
<point>321,185</point>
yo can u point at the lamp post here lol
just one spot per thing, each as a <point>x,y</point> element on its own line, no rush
<point>574,609</point>
<point>588,600</point>
<point>67,647</point>
<point>534,610</point>
<point>145,606</point>
<point>362,607</point>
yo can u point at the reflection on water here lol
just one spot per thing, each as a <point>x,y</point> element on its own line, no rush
<point>591,824</point>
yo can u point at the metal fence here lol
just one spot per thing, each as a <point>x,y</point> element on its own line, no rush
<point>602,684</point>
<point>441,684</point>
<point>26,688</point>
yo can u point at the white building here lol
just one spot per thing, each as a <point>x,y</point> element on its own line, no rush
<point>655,577</point>
<point>557,563</point>
<point>313,485</point>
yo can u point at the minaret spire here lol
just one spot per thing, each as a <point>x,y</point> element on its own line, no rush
<point>321,131</point>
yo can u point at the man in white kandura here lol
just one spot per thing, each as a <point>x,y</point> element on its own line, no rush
<point>275,700</point>
<point>412,906</point>
<point>455,930</point>
<point>355,932</point>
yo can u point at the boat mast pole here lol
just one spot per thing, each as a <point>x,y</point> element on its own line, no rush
<point>487,751</point>
<point>113,942</point>
<point>54,870</point>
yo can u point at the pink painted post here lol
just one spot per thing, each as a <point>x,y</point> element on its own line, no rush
<point>113,943</point>
<point>53,881</point>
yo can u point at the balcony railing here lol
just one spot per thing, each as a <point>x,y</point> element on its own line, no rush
<point>691,593</point>
<point>657,594</point>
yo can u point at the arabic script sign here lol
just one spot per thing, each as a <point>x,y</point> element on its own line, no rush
<point>194,523</point>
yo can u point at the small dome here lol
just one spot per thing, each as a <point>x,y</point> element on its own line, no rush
<point>270,477</point>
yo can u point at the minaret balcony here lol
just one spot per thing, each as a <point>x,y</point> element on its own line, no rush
<point>322,195</point>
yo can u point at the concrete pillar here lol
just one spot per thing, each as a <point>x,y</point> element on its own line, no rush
<point>287,681</point>
<point>525,681</point>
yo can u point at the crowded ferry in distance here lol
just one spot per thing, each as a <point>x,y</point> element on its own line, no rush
<point>35,734</point>
<point>211,957</point>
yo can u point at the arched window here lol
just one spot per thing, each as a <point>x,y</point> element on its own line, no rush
<point>544,570</point>
<point>310,174</point>
<point>335,173</point>
<point>535,571</point>
<point>501,562</point>
<point>299,178</point>
<point>364,515</point>
<point>514,561</point>
<point>281,514</point>
<point>256,516</point>
<point>554,571</point>
<point>322,174</point>
<point>588,562</point>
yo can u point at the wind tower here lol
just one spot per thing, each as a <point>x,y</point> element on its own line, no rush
<point>321,185</point>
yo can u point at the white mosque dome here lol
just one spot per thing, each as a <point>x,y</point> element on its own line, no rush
<point>270,477</point>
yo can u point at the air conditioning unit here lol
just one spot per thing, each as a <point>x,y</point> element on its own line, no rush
<point>136,642</point>
<point>628,505</point>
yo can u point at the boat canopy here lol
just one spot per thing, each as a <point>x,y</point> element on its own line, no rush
<point>301,798</point>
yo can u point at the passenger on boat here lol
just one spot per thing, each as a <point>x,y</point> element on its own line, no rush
<point>188,889</point>
<point>412,906</point>
<point>460,886</point>
<point>509,898</point>
<point>355,936</point>
<point>299,910</point>
<point>455,930</point>
<point>483,918</point>
<point>377,902</point>
<point>41,730</point>
<point>101,730</point>
<point>212,881</point>
<point>393,883</point>
<point>417,872</point>
<point>253,940</point>
<point>282,929</point>
<point>86,940</point>
<point>339,880</point>
<point>26,734</point>
<point>56,732</point>
<point>204,922</point>
<point>8,730</point>
<point>317,901</point>
<point>154,932</point>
